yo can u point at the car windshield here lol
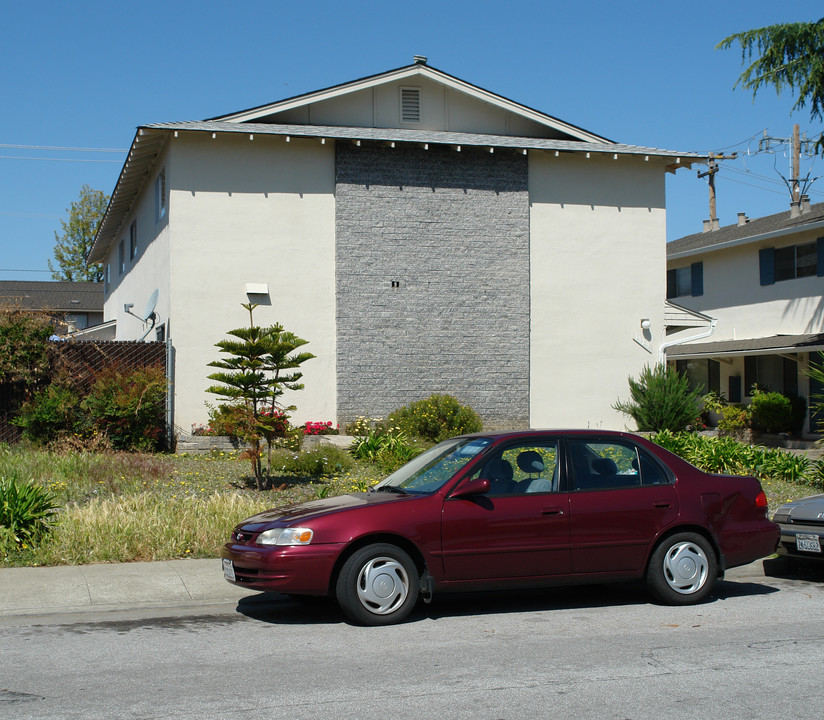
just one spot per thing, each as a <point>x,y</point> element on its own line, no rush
<point>428,472</point>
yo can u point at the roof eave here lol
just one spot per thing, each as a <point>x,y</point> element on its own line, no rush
<point>746,240</point>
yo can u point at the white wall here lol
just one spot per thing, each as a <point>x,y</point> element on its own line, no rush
<point>147,271</point>
<point>746,309</point>
<point>251,211</point>
<point>598,262</point>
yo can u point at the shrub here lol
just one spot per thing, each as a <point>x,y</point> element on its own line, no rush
<point>661,399</point>
<point>26,511</point>
<point>734,418</point>
<point>129,408</point>
<point>320,428</point>
<point>771,412</point>
<point>53,411</point>
<point>387,449</point>
<point>360,426</point>
<point>321,461</point>
<point>437,418</point>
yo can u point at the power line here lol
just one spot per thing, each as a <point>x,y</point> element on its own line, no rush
<point>60,147</point>
<point>22,270</point>
<point>19,157</point>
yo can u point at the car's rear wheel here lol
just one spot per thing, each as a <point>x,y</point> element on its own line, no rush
<point>378,585</point>
<point>682,569</point>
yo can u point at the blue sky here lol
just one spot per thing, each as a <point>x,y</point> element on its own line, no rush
<point>86,74</point>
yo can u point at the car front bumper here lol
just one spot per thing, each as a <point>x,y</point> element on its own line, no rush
<point>303,569</point>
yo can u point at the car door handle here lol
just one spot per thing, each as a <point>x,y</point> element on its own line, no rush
<point>551,511</point>
<point>662,505</point>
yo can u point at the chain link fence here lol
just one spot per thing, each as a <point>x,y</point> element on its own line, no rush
<point>82,361</point>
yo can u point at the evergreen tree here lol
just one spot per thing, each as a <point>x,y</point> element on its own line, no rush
<point>73,244</point>
<point>790,55</point>
<point>254,377</point>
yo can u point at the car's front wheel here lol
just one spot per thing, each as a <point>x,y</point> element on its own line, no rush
<point>682,569</point>
<point>378,585</point>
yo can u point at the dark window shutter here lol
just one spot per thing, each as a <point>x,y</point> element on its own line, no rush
<point>820,252</point>
<point>750,373</point>
<point>697,278</point>
<point>766,259</point>
<point>714,376</point>
<point>671,283</point>
<point>735,389</point>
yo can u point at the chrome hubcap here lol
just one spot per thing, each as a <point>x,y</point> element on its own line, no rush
<point>686,568</point>
<point>383,585</point>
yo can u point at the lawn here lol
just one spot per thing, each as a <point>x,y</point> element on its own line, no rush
<point>121,507</point>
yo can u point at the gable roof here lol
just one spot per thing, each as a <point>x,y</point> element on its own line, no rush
<point>419,69</point>
<point>150,140</point>
<point>764,228</point>
<point>53,296</point>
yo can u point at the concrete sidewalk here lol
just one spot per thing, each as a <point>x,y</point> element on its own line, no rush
<point>145,586</point>
<point>120,586</point>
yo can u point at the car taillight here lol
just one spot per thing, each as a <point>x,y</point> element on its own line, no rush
<point>761,501</point>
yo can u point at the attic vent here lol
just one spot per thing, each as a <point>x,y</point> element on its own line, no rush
<point>410,105</point>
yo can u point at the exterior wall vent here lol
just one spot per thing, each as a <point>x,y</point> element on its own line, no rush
<point>410,105</point>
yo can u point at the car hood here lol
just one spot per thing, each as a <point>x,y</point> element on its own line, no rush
<point>810,508</point>
<point>294,514</point>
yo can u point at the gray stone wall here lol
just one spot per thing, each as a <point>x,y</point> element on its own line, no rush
<point>432,280</point>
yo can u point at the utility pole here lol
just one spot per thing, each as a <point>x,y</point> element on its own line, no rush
<point>796,170</point>
<point>710,173</point>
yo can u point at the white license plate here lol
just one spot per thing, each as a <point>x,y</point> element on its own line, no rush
<point>228,569</point>
<point>808,543</point>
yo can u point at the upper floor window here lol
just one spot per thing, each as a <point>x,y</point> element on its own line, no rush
<point>133,240</point>
<point>791,262</point>
<point>121,257</point>
<point>106,278</point>
<point>160,194</point>
<point>687,280</point>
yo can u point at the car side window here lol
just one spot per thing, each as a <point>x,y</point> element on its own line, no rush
<point>523,469</point>
<point>601,465</point>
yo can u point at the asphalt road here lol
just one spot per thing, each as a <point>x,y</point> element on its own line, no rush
<point>754,651</point>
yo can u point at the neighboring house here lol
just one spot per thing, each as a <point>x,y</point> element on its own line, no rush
<point>761,282</point>
<point>75,305</point>
<point>423,234</point>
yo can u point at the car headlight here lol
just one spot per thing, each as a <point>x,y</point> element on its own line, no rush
<point>285,536</point>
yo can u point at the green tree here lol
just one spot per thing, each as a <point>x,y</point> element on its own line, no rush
<point>255,376</point>
<point>789,55</point>
<point>73,244</point>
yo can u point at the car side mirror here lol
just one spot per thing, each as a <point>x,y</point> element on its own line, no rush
<point>478,486</point>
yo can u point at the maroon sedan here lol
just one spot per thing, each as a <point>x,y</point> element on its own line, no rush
<point>505,510</point>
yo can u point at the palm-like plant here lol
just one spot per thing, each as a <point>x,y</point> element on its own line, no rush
<point>256,376</point>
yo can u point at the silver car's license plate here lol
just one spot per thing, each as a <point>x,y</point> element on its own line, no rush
<point>808,543</point>
<point>228,569</point>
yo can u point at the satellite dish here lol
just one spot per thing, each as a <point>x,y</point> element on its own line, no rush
<point>150,306</point>
<point>149,313</point>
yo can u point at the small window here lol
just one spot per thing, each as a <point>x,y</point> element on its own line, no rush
<point>121,257</point>
<point>106,278</point>
<point>686,281</point>
<point>410,105</point>
<point>133,240</point>
<point>160,194</point>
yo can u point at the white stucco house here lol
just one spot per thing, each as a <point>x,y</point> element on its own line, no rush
<point>422,233</point>
<point>761,282</point>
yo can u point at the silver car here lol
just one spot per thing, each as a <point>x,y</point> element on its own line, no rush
<point>802,528</point>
